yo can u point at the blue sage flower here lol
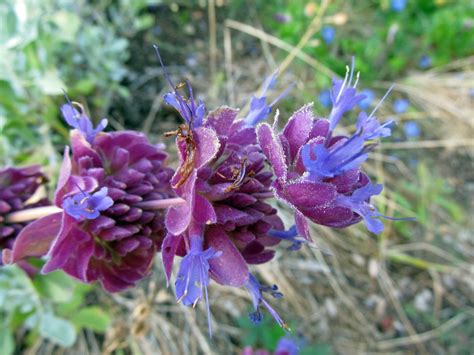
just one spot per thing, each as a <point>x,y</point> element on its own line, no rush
<point>84,205</point>
<point>328,33</point>
<point>191,111</point>
<point>401,105</point>
<point>319,173</point>
<point>412,129</point>
<point>370,128</point>
<point>193,275</point>
<point>398,5</point>
<point>259,109</point>
<point>344,96</point>
<point>341,157</point>
<point>256,290</point>
<point>425,62</point>
<point>358,204</point>
<point>81,122</point>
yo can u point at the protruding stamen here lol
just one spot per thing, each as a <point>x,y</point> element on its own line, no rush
<point>382,100</point>
<point>165,71</point>
<point>341,90</point>
<point>352,70</point>
<point>357,79</point>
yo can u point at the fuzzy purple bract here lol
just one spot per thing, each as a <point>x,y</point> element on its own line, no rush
<point>108,231</point>
<point>18,185</point>
<point>318,173</point>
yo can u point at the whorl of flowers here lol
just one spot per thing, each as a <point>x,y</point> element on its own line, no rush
<point>109,229</point>
<point>318,173</point>
<point>225,223</point>
<point>17,189</point>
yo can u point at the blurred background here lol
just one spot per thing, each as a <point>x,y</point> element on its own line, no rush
<point>409,290</point>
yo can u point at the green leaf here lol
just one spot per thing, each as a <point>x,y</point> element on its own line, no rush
<point>56,286</point>
<point>57,330</point>
<point>93,318</point>
<point>70,307</point>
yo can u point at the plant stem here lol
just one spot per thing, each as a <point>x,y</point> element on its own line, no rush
<point>31,214</point>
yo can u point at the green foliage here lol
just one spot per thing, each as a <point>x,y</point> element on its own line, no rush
<point>384,50</point>
<point>267,334</point>
<point>93,318</point>
<point>54,45</point>
<point>57,330</point>
<point>264,335</point>
<point>50,306</point>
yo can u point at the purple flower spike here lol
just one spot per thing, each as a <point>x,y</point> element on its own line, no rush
<point>259,109</point>
<point>113,193</point>
<point>86,206</point>
<point>318,174</point>
<point>81,122</point>
<point>193,275</point>
<point>255,290</point>
<point>222,178</point>
<point>225,189</point>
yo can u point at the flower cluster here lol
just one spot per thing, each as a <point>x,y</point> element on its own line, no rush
<point>18,191</point>
<point>112,223</point>
<point>318,173</point>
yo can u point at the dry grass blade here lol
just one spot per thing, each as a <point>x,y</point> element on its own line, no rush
<point>275,41</point>
<point>423,337</point>
<point>387,286</point>
<point>444,93</point>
